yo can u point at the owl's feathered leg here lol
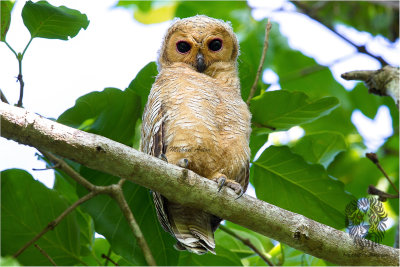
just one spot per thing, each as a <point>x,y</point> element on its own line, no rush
<point>223,181</point>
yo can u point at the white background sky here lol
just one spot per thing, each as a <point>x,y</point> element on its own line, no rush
<point>115,47</point>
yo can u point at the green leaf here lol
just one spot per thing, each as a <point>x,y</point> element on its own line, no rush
<point>284,179</point>
<point>110,222</point>
<point>101,246</point>
<point>27,206</point>
<point>47,21</point>
<point>258,138</point>
<point>320,147</point>
<point>9,261</point>
<point>283,109</point>
<point>6,8</point>
<point>224,257</point>
<point>367,103</point>
<point>111,113</point>
<point>65,186</point>
<point>142,83</point>
<point>156,15</point>
<point>294,257</point>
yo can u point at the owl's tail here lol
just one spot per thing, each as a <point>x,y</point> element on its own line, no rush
<point>192,228</point>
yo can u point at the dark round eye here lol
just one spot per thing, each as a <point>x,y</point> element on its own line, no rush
<point>215,45</point>
<point>183,46</point>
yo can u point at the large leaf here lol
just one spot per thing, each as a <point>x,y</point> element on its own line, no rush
<point>143,81</point>
<point>6,7</point>
<point>112,113</point>
<point>320,147</point>
<point>66,188</point>
<point>283,109</point>
<point>47,21</point>
<point>27,206</point>
<point>224,257</point>
<point>110,222</point>
<point>283,178</point>
<point>367,103</point>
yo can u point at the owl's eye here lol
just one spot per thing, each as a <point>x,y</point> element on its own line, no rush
<point>183,47</point>
<point>215,45</point>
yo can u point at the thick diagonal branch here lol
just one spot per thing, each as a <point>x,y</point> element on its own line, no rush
<point>190,189</point>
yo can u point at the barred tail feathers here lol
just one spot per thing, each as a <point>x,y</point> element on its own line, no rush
<point>192,228</point>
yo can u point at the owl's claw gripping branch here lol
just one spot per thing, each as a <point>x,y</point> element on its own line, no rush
<point>163,157</point>
<point>235,186</point>
<point>220,181</point>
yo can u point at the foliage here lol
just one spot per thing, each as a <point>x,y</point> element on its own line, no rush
<point>315,176</point>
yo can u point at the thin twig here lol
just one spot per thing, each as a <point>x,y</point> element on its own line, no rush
<point>47,168</point>
<point>372,190</point>
<point>62,165</point>
<point>54,223</point>
<point>247,242</point>
<point>264,52</point>
<point>107,257</point>
<point>45,254</point>
<point>374,158</point>
<point>3,97</point>
<point>361,49</point>
<point>118,195</point>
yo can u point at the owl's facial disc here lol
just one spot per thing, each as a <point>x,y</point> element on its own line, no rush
<point>200,62</point>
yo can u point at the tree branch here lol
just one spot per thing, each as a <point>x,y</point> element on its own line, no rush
<point>382,82</point>
<point>187,188</point>
<point>264,52</point>
<point>361,49</point>
<point>247,242</point>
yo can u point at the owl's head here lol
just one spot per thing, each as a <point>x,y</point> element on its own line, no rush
<point>203,43</point>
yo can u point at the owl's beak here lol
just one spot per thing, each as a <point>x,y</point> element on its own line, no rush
<point>201,65</point>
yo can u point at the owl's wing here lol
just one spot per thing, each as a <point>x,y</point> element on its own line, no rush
<point>152,142</point>
<point>243,177</point>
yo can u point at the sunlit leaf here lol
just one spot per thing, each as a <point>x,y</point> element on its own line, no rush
<point>283,178</point>
<point>6,8</point>
<point>47,21</point>
<point>320,147</point>
<point>156,15</point>
<point>282,109</point>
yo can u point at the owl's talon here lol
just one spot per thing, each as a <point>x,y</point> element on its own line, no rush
<point>220,182</point>
<point>183,163</point>
<point>241,193</point>
<point>163,157</point>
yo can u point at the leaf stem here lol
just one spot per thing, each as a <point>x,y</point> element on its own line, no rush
<point>264,52</point>
<point>26,47</point>
<point>15,53</point>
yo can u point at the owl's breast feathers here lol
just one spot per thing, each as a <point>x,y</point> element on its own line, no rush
<point>194,116</point>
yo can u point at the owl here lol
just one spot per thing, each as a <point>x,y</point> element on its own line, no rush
<point>195,118</point>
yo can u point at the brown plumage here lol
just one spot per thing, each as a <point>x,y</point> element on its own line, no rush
<point>195,118</point>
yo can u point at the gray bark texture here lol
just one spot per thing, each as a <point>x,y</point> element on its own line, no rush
<point>186,187</point>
